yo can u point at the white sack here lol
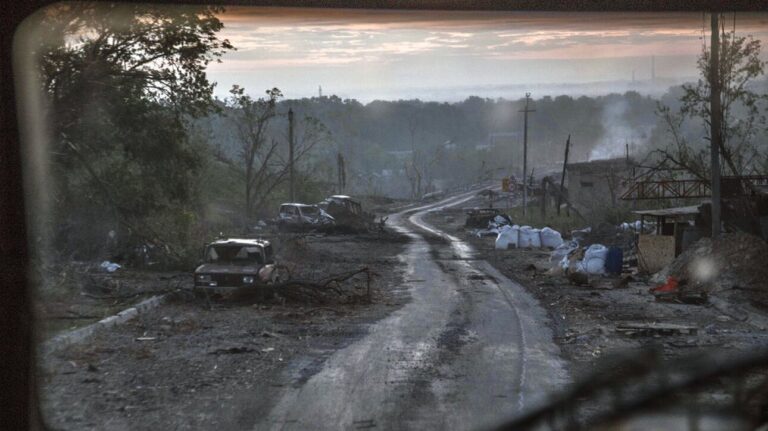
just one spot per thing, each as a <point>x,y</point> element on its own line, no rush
<point>550,238</point>
<point>594,259</point>
<point>529,237</point>
<point>508,236</point>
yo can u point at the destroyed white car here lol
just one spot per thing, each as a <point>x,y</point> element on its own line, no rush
<point>296,216</point>
<point>235,263</point>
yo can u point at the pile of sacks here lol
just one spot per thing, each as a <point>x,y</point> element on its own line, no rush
<point>595,259</point>
<point>527,237</point>
<point>494,226</point>
<point>567,256</point>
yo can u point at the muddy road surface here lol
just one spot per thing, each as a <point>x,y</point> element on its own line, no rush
<point>447,342</point>
<point>471,348</point>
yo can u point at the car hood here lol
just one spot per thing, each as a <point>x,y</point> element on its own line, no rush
<point>217,268</point>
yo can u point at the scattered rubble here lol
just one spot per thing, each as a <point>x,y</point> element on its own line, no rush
<point>193,353</point>
<point>734,261</point>
<point>733,267</point>
<point>602,313</point>
<point>634,329</point>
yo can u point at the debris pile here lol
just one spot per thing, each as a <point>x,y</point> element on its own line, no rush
<point>479,218</point>
<point>733,261</point>
<point>493,224</point>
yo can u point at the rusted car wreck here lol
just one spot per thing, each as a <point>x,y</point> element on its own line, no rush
<point>234,263</point>
<point>348,213</point>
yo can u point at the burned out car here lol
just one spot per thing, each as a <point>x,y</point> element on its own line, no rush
<point>233,263</point>
<point>296,216</point>
<point>348,213</point>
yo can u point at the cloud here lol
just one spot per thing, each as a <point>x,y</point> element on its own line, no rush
<point>345,45</point>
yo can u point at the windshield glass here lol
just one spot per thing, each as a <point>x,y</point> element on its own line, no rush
<point>234,254</point>
<point>310,211</point>
<point>525,210</point>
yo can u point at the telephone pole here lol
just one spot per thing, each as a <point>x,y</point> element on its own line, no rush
<point>341,173</point>
<point>562,178</point>
<point>290,156</point>
<point>714,130</point>
<point>525,151</point>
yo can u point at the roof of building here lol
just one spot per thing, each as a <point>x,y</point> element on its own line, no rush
<point>670,212</point>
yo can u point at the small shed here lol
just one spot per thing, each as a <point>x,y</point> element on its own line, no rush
<point>674,231</point>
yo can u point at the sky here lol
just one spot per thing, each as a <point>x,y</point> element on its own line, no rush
<point>447,56</point>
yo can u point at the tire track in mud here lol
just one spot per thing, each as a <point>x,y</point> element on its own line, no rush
<point>463,254</point>
<point>455,357</point>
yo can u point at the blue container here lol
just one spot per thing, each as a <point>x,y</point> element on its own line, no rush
<point>614,260</point>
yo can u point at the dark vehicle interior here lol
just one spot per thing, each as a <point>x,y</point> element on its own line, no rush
<point>235,254</point>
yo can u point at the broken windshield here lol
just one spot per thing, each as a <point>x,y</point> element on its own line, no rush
<point>310,211</point>
<point>229,254</point>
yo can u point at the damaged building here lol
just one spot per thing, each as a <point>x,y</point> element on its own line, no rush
<point>598,183</point>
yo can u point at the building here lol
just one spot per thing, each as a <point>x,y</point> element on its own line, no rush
<point>598,183</point>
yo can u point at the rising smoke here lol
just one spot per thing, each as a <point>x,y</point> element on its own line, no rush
<point>619,132</point>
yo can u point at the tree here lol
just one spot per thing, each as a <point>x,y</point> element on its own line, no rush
<point>251,119</point>
<point>121,81</point>
<point>262,161</point>
<point>742,111</point>
<point>161,49</point>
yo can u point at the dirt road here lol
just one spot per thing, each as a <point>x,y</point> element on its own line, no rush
<point>446,343</point>
<point>471,348</point>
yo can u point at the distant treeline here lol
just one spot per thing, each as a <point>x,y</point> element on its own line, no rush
<point>457,142</point>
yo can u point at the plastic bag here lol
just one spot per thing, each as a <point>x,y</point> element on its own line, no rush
<point>562,252</point>
<point>110,266</point>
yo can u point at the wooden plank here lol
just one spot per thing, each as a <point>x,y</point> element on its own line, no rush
<point>654,252</point>
<point>653,329</point>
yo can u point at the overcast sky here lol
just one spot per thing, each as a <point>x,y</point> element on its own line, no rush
<point>449,55</point>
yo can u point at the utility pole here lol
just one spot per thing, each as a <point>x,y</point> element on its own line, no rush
<point>341,175</point>
<point>525,152</point>
<point>714,131</point>
<point>291,189</point>
<point>562,177</point>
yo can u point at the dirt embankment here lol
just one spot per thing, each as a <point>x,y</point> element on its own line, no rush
<point>200,364</point>
<point>587,320</point>
<point>733,267</point>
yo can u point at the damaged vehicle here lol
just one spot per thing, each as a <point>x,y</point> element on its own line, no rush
<point>237,263</point>
<point>298,217</point>
<point>348,213</point>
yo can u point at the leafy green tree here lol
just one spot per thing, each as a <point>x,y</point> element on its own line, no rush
<point>121,81</point>
<point>742,112</point>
